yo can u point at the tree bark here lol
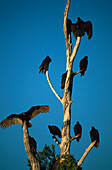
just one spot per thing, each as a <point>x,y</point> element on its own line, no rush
<point>33,160</point>
<point>85,153</point>
<point>66,100</point>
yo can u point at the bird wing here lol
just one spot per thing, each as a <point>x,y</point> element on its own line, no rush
<point>35,110</point>
<point>83,65</point>
<point>77,129</point>
<point>74,29</point>
<point>88,29</point>
<point>45,64</point>
<point>55,130</point>
<point>12,119</point>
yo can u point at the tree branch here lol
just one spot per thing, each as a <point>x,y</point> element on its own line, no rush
<point>65,22</point>
<point>85,153</point>
<point>33,160</point>
<point>47,75</point>
<point>75,49</point>
<point>56,140</point>
<point>75,137</point>
<point>75,73</point>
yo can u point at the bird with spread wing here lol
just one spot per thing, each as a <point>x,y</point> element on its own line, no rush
<point>19,118</point>
<point>79,28</point>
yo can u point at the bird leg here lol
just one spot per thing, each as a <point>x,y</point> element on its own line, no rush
<point>85,153</point>
<point>56,140</point>
<point>75,73</point>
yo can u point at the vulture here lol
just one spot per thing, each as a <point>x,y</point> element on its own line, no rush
<point>33,145</point>
<point>45,65</point>
<point>83,65</point>
<point>55,130</point>
<point>69,22</point>
<point>78,130</point>
<point>94,134</point>
<point>19,118</point>
<point>63,79</point>
<point>80,27</point>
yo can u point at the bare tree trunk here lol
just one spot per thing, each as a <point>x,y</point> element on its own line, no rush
<point>33,160</point>
<point>66,100</point>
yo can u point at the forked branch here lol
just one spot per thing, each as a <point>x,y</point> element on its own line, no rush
<point>75,49</point>
<point>85,153</point>
<point>48,79</point>
<point>75,137</point>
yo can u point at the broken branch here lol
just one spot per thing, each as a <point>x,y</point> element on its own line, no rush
<point>33,160</point>
<point>85,153</point>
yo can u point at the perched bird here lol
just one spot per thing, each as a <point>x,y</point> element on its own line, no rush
<point>80,27</point>
<point>83,65</point>
<point>33,145</point>
<point>45,65</point>
<point>55,130</point>
<point>69,22</point>
<point>78,130</point>
<point>94,134</point>
<point>19,118</point>
<point>63,79</point>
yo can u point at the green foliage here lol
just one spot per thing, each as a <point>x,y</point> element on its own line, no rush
<point>47,157</point>
<point>50,161</point>
<point>68,163</point>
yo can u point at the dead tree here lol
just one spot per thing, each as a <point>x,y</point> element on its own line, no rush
<point>32,158</point>
<point>29,142</point>
<point>66,99</point>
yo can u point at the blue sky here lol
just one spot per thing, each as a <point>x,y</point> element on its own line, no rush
<point>31,30</point>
